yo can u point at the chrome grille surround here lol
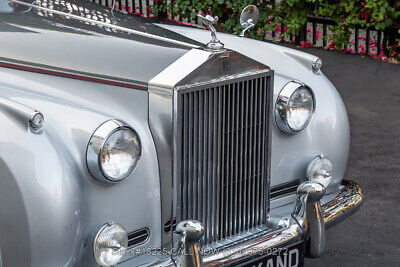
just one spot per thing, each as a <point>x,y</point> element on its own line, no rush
<point>221,153</point>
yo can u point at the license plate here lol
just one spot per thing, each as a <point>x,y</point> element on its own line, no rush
<point>281,257</point>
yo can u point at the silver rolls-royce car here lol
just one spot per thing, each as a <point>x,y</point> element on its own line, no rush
<point>130,143</point>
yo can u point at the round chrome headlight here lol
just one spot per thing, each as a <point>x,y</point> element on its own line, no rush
<point>320,170</point>
<point>294,107</point>
<point>113,151</point>
<point>110,244</point>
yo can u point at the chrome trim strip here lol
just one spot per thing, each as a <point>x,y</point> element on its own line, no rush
<point>181,68</point>
<point>147,234</point>
<point>66,73</point>
<point>284,189</point>
<point>148,35</point>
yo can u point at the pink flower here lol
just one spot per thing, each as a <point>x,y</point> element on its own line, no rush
<point>363,3</point>
<point>318,34</point>
<point>306,44</point>
<point>362,49</point>
<point>364,15</point>
<point>331,45</point>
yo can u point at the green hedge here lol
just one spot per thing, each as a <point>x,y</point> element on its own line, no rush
<point>380,15</point>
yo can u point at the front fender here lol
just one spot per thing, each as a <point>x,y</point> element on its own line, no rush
<point>63,206</point>
<point>40,199</point>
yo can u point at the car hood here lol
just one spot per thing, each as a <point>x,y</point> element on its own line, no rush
<point>86,38</point>
<point>83,38</point>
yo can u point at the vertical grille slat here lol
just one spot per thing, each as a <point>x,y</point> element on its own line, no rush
<point>250,148</point>
<point>237,184</point>
<point>200,157</point>
<point>254,161</point>
<point>223,146</point>
<point>264,148</point>
<point>195,155</point>
<point>241,183</point>
<point>219,169</point>
<point>259,123</point>
<point>231,107</point>
<point>246,121</point>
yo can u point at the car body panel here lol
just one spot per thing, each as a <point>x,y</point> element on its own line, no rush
<point>57,206</point>
<point>62,204</point>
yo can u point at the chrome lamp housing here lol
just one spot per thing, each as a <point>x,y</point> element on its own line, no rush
<point>294,107</point>
<point>113,151</point>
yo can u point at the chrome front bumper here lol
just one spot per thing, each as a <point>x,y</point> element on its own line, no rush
<point>306,223</point>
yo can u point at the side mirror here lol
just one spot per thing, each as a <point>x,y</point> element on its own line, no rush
<point>249,18</point>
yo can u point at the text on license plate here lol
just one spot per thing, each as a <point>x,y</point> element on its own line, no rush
<point>285,257</point>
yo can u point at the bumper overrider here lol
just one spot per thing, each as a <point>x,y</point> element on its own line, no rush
<point>307,222</point>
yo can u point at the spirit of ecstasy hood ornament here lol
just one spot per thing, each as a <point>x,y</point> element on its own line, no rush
<point>208,20</point>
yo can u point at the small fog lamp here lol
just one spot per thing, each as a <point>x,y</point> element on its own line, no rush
<point>320,170</point>
<point>110,244</point>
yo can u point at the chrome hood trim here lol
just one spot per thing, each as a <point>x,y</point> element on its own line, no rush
<point>198,67</point>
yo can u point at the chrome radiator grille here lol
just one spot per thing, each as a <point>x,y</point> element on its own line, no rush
<point>222,154</point>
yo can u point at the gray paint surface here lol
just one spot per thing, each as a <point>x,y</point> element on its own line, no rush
<point>58,206</point>
<point>63,205</point>
<point>53,40</point>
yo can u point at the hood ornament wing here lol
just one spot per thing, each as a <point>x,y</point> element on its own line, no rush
<point>215,43</point>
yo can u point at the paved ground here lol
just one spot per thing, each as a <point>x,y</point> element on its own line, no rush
<point>371,92</point>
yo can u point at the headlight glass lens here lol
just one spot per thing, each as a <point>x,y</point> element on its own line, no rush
<point>120,154</point>
<point>294,107</point>
<point>300,109</point>
<point>110,244</point>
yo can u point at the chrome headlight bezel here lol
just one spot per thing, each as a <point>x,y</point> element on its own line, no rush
<point>96,145</point>
<point>282,104</point>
